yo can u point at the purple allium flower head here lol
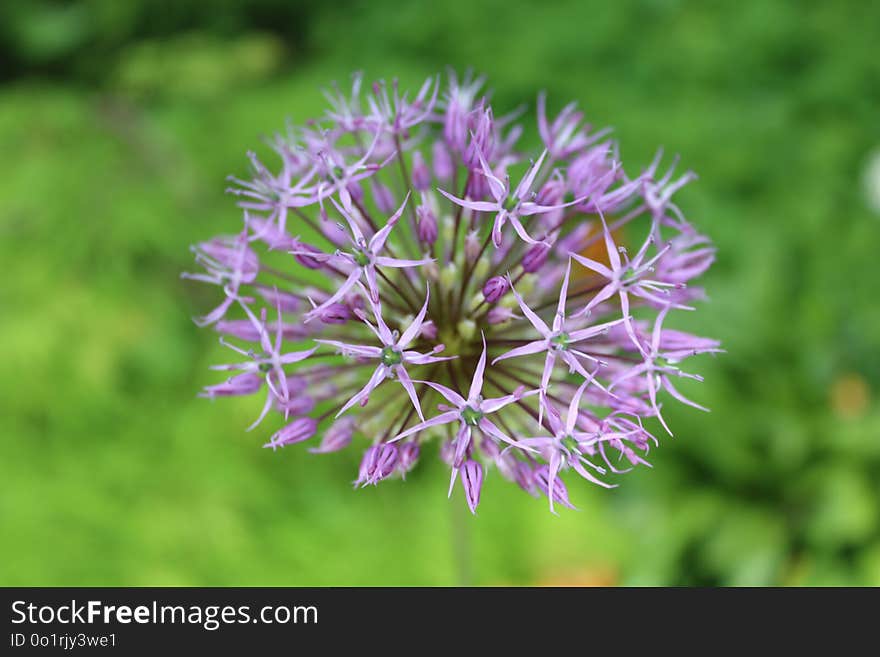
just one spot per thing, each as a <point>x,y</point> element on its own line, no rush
<point>524,324</point>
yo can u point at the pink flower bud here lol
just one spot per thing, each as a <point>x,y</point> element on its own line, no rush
<point>472,481</point>
<point>442,161</point>
<point>472,246</point>
<point>306,260</point>
<point>429,330</point>
<point>297,431</point>
<point>490,448</point>
<point>409,454</point>
<point>555,490</point>
<point>427,227</point>
<point>378,462</point>
<point>421,175</point>
<point>494,289</point>
<point>337,437</point>
<point>499,315</point>
<point>233,255</point>
<point>535,258</point>
<point>287,302</point>
<point>383,198</point>
<point>335,313</point>
<point>245,329</point>
<point>298,405</point>
<point>240,384</point>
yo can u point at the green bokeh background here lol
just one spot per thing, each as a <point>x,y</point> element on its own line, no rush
<point>118,124</point>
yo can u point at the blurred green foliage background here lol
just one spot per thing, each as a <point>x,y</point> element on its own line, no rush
<point>118,124</point>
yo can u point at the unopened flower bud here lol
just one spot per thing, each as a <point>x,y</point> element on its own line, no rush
<point>429,330</point>
<point>490,448</point>
<point>449,275</point>
<point>421,175</point>
<point>335,313</point>
<point>427,226</point>
<point>535,258</point>
<point>378,462</point>
<point>240,384</point>
<point>306,260</point>
<point>524,477</point>
<point>245,329</point>
<point>472,246</point>
<point>287,302</point>
<point>480,142</point>
<point>408,455</point>
<point>442,161</point>
<point>228,253</point>
<point>357,192</point>
<point>467,329</point>
<point>555,490</point>
<point>383,198</point>
<point>494,289</point>
<point>472,481</point>
<point>298,405</point>
<point>337,437</point>
<point>297,431</point>
<point>499,315</point>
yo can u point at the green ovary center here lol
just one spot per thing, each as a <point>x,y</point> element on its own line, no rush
<point>390,356</point>
<point>570,443</point>
<point>471,416</point>
<point>560,341</point>
<point>361,258</point>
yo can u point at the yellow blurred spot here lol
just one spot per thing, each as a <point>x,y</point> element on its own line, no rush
<point>850,395</point>
<point>595,575</point>
<point>596,250</point>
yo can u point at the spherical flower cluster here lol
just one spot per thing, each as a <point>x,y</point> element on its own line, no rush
<point>407,273</point>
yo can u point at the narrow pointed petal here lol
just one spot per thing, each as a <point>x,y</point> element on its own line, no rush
<point>451,396</point>
<point>536,321</point>
<point>378,376</point>
<point>478,206</point>
<point>415,326</point>
<point>407,384</point>
<point>477,382</point>
<point>443,418</point>
<point>525,350</point>
<point>597,267</point>
<point>377,242</point>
